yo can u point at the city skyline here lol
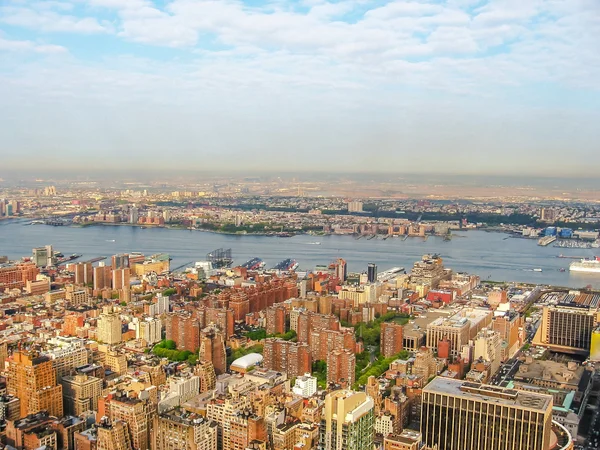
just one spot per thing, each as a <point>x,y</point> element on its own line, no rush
<point>457,86</point>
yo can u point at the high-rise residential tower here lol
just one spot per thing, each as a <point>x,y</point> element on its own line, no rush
<point>347,421</point>
<point>212,348</point>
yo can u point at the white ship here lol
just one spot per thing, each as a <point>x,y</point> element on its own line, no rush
<point>586,265</point>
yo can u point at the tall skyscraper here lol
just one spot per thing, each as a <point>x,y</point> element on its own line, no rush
<point>293,358</point>
<point>459,415</point>
<point>109,326</point>
<point>547,215</point>
<point>341,269</point>
<point>134,215</point>
<point>148,329</point>
<point>102,277</point>
<point>212,348</point>
<point>120,261</point>
<point>391,339</point>
<point>355,206</point>
<point>275,318</point>
<point>347,421</point>
<point>32,379</point>
<point>341,365</point>
<point>372,272</point>
<point>84,273</point>
<point>206,373</point>
<point>120,279</point>
<point>184,330</point>
<point>43,256</point>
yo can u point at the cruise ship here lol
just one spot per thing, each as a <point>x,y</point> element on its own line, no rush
<point>286,264</point>
<point>254,264</point>
<point>586,265</point>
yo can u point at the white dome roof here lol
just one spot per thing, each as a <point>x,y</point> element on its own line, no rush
<point>249,360</point>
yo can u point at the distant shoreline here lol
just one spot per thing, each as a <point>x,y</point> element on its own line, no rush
<point>291,234</point>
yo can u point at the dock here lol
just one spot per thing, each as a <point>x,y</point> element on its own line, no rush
<point>95,260</point>
<point>546,240</point>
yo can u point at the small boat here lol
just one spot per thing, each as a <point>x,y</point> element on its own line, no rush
<point>314,243</point>
<point>562,269</point>
<point>110,240</point>
<point>537,270</point>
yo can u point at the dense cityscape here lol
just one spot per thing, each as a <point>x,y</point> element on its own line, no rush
<point>125,351</point>
<point>300,225</point>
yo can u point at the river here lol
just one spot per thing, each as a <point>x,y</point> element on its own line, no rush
<point>490,255</point>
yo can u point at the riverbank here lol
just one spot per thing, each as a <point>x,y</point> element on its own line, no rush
<point>286,234</point>
<point>488,255</point>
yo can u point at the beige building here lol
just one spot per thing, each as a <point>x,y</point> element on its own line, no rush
<point>206,373</point>
<point>295,435</point>
<point>179,430</point>
<point>384,424</point>
<point>113,436</point>
<point>148,330</point>
<point>76,296</point>
<point>156,263</point>
<point>408,440</point>
<point>114,360</point>
<point>488,347</point>
<point>425,364</point>
<point>81,393</point>
<point>109,326</point>
<point>224,412</point>
<point>67,354</point>
<point>137,414</point>
<point>357,295</point>
<point>459,415</point>
<point>458,329</point>
<point>347,422</point>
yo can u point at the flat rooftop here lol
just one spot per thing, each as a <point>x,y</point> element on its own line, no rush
<point>554,371</point>
<point>487,393</point>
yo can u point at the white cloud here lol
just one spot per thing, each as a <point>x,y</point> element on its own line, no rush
<point>29,46</point>
<point>331,10</point>
<point>551,47</point>
<point>119,4</point>
<point>407,65</point>
<point>401,8</point>
<point>50,21</point>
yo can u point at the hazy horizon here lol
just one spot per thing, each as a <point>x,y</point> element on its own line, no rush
<point>154,177</point>
<point>506,87</point>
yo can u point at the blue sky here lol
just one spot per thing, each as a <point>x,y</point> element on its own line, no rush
<point>460,86</point>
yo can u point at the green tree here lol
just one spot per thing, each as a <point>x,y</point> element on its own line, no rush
<point>319,371</point>
<point>257,335</point>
